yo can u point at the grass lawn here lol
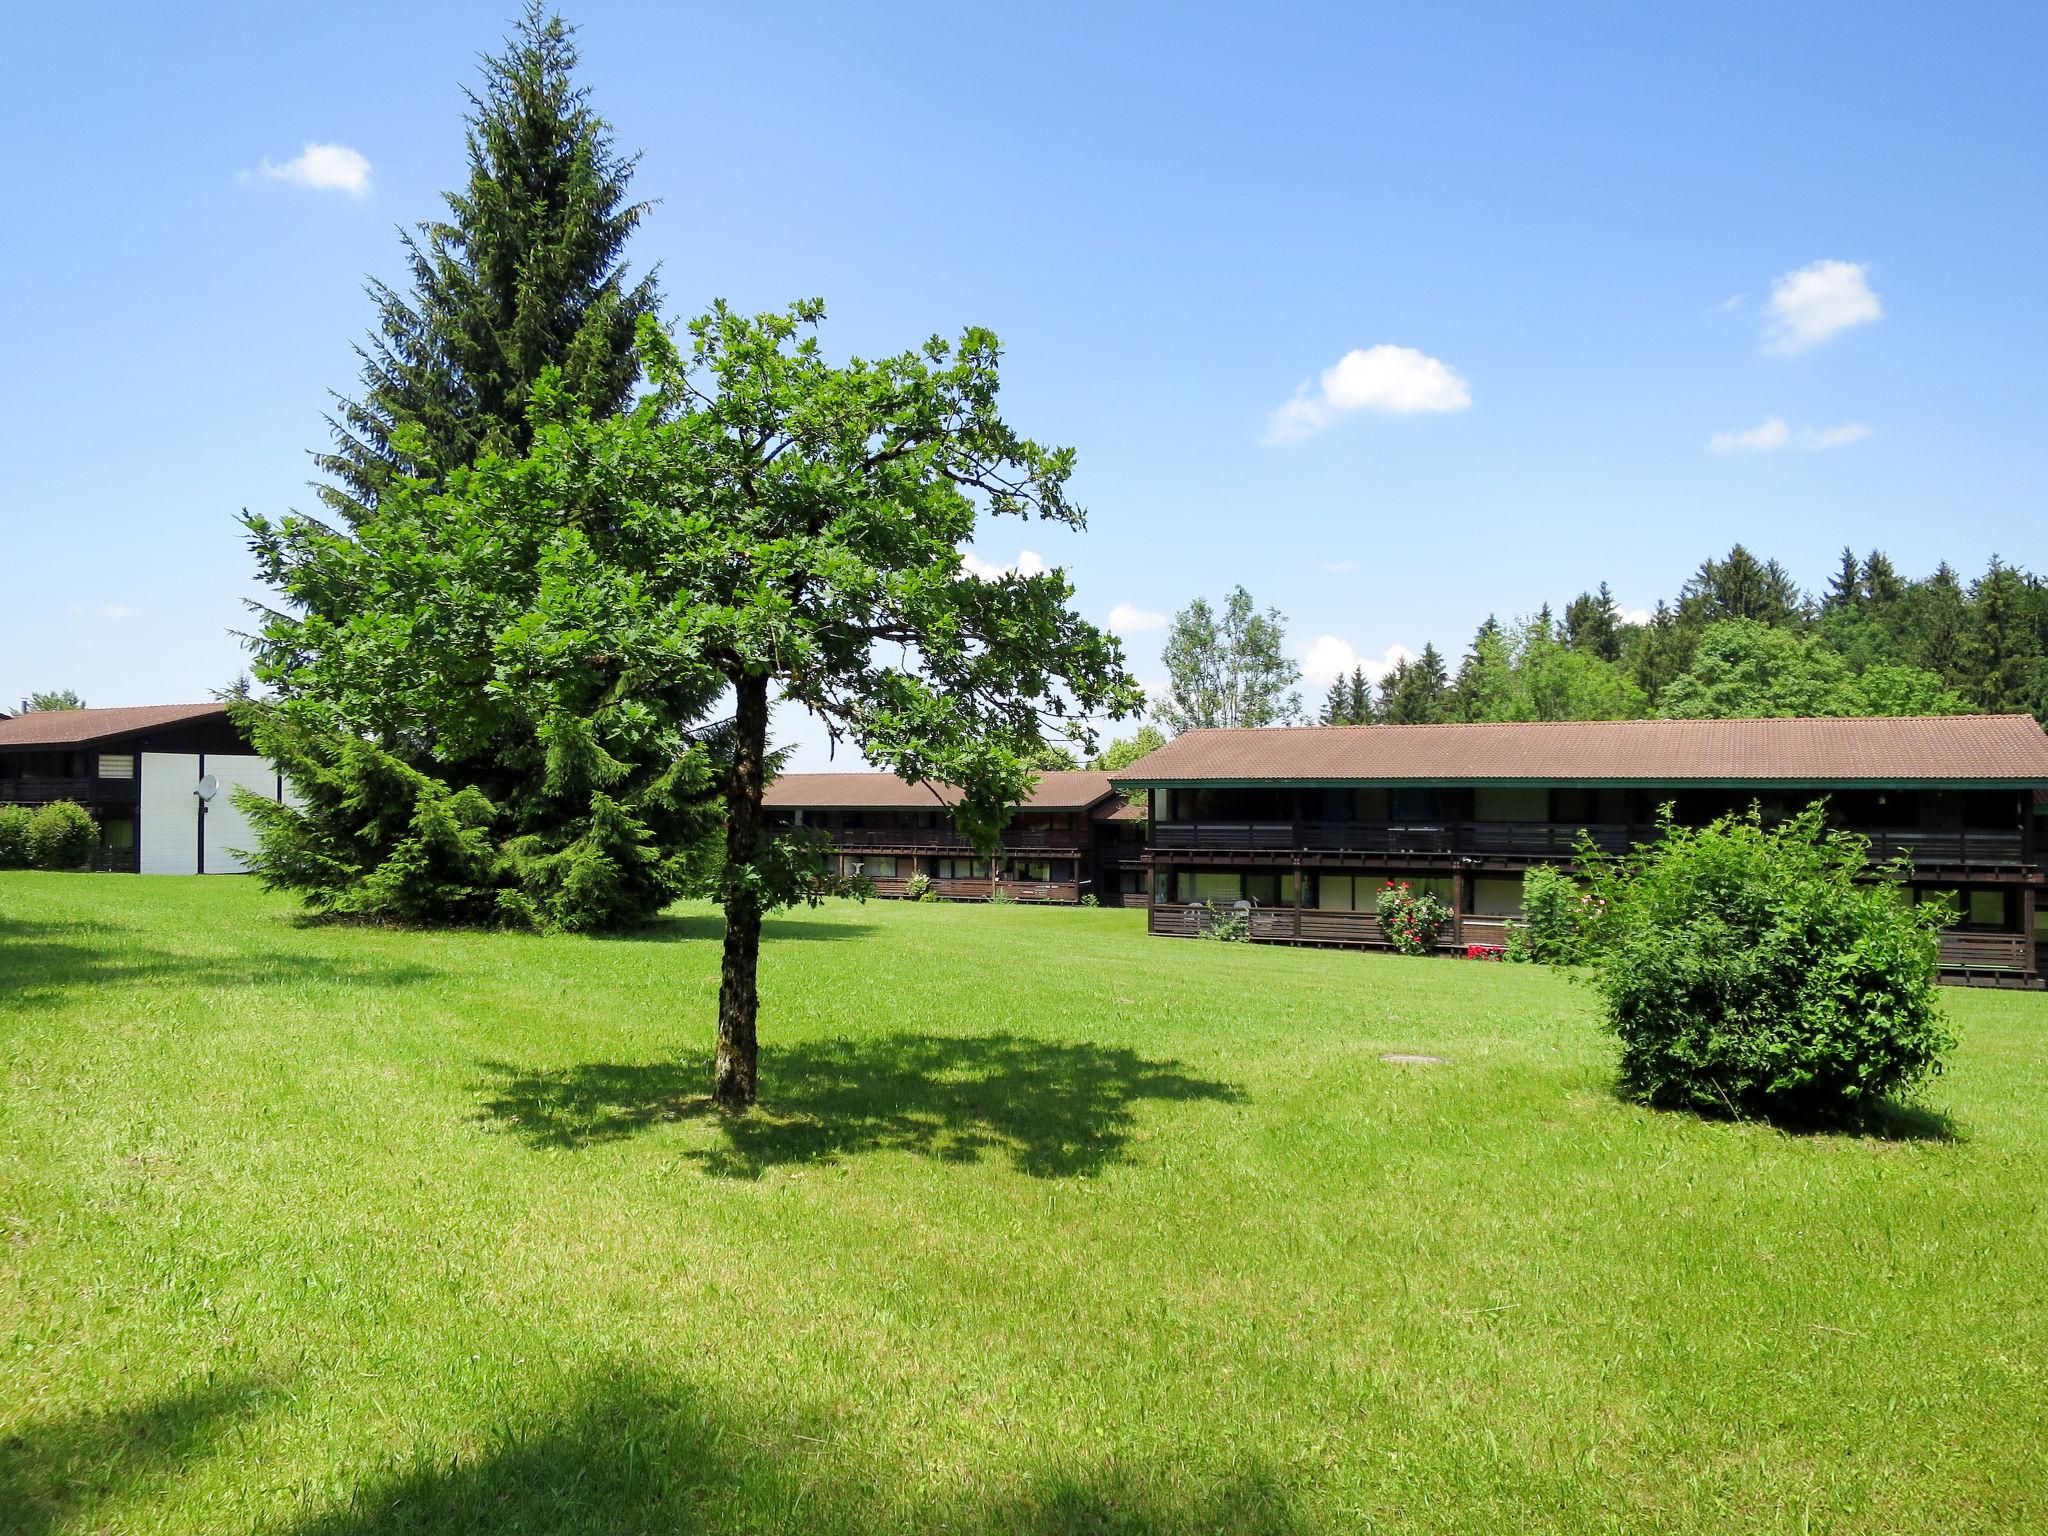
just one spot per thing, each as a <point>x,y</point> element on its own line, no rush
<point>1046,1226</point>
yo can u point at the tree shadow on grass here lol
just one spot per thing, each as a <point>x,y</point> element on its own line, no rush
<point>637,1456</point>
<point>1887,1120</point>
<point>701,926</point>
<point>44,960</point>
<point>1056,1110</point>
<point>56,1473</point>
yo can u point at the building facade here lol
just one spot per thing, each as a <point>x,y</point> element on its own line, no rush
<point>1075,836</point>
<point>159,779</point>
<point>1304,826</point>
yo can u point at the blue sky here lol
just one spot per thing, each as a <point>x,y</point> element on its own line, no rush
<point>1552,236</point>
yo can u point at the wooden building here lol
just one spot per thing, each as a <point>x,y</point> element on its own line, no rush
<point>159,779</point>
<point>1305,826</point>
<point>1075,836</point>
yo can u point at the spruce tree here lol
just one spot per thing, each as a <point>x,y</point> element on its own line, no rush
<point>1845,587</point>
<point>2001,650</point>
<point>1881,584</point>
<point>449,693</point>
<point>526,273</point>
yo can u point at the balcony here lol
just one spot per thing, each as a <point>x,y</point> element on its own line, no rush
<point>43,791</point>
<point>1988,955</point>
<point>1946,849</point>
<point>942,839</point>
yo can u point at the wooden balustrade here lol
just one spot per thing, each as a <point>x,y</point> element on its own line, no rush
<point>1987,952</point>
<point>1933,848</point>
<point>939,840</point>
<point>2001,953</point>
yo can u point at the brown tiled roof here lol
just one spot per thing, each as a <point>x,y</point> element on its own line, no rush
<point>78,727</point>
<point>2002,749</point>
<point>1121,809</point>
<point>886,792</point>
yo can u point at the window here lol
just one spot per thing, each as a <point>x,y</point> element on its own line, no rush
<point>1131,881</point>
<point>879,866</point>
<point>1496,898</point>
<point>117,765</point>
<point>1494,804</point>
<point>1039,869</point>
<point>1361,893</point>
<point>1987,909</point>
<point>1206,885</point>
<point>1270,890</point>
<point>962,869</point>
<point>1413,805</point>
<point>118,833</point>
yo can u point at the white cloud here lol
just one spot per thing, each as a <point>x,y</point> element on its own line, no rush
<point>1397,380</point>
<point>322,168</point>
<point>1635,615</point>
<point>1731,303</point>
<point>1808,306</point>
<point>1027,563</point>
<point>1774,434</point>
<point>115,611</point>
<point>1327,658</point>
<point>1340,567</point>
<point>1758,439</point>
<point>1129,619</point>
<point>1833,437</point>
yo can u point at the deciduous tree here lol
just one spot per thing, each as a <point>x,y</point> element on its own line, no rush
<point>1232,671</point>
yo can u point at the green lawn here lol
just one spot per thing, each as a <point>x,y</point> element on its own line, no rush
<point>1046,1226</point>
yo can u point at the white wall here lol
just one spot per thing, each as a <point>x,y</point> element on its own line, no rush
<point>167,837</point>
<point>227,829</point>
<point>167,841</point>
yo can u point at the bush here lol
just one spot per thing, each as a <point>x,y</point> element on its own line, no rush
<point>1560,919</point>
<point>1755,970</point>
<point>1088,900</point>
<point>1227,925</point>
<point>918,886</point>
<point>1411,922</point>
<point>61,835</point>
<point>999,895</point>
<point>14,821</point>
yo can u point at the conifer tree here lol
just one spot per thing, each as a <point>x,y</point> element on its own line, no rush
<point>2001,651</point>
<point>1845,587</point>
<point>1881,584</point>
<point>525,273</point>
<point>1592,622</point>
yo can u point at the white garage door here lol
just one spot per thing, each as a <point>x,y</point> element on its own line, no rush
<point>167,842</point>
<point>227,829</point>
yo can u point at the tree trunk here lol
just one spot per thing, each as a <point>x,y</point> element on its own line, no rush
<point>734,1074</point>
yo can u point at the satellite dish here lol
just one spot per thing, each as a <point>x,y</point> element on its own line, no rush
<point>209,786</point>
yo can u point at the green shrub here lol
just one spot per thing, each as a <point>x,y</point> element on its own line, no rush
<point>1088,900</point>
<point>14,821</point>
<point>1758,970</point>
<point>1560,919</point>
<point>1227,925</point>
<point>61,835</point>
<point>918,886</point>
<point>1411,922</point>
<point>999,895</point>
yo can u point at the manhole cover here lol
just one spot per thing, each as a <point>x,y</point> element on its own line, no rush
<point>1401,1059</point>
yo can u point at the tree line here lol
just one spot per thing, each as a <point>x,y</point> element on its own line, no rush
<point>1740,640</point>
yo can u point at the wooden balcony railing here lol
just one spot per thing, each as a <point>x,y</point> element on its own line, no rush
<point>943,840</point>
<point>1942,849</point>
<point>980,890</point>
<point>1987,952</point>
<point>2000,952</point>
<point>42,791</point>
